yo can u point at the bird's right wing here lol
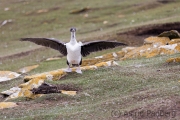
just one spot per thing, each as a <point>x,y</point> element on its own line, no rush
<point>93,46</point>
<point>49,42</point>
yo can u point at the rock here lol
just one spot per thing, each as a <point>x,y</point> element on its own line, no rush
<point>173,41</point>
<point>23,90</point>
<point>170,60</point>
<point>42,11</point>
<point>128,49</point>
<point>8,75</point>
<point>6,9</point>
<point>105,22</point>
<point>14,91</point>
<point>173,34</point>
<point>7,105</point>
<point>157,40</point>
<point>52,75</point>
<point>27,69</point>
<point>69,92</point>
<point>137,52</point>
<point>151,50</point>
<point>5,22</point>
<point>56,58</point>
<point>32,83</point>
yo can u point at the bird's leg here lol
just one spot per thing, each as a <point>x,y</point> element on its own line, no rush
<point>68,69</point>
<point>78,70</point>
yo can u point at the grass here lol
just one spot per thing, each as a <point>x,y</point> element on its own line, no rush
<point>56,23</point>
<point>129,86</point>
<point>134,84</point>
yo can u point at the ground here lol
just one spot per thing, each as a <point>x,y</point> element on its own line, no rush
<point>136,89</point>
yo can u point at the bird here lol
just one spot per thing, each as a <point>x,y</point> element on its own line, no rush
<point>74,50</point>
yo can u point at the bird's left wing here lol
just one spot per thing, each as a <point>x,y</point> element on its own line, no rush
<point>49,42</point>
<point>89,47</point>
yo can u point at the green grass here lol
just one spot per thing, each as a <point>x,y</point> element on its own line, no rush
<point>57,23</point>
<point>124,87</point>
<point>134,84</point>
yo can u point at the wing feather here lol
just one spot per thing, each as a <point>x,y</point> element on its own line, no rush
<point>49,42</point>
<point>89,47</point>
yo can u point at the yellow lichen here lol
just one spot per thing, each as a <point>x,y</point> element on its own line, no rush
<point>69,92</point>
<point>27,69</point>
<point>103,58</point>
<point>157,40</point>
<point>57,74</point>
<point>28,94</point>
<point>8,75</point>
<point>137,52</point>
<point>101,64</point>
<point>34,83</point>
<point>92,61</point>
<point>7,105</point>
<point>173,41</point>
<point>120,54</point>
<point>108,56</point>
<point>128,49</point>
<point>28,86</point>
<point>154,46</point>
<point>164,51</point>
<point>87,68</point>
<point>49,59</point>
<point>152,53</point>
<point>178,47</point>
<point>42,11</point>
<point>173,60</point>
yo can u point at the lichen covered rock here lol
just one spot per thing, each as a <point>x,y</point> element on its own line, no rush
<point>157,40</point>
<point>8,75</point>
<point>27,69</point>
<point>7,105</point>
<point>174,41</point>
<point>170,60</point>
<point>34,81</point>
<point>153,46</point>
<point>103,58</point>
<point>172,34</point>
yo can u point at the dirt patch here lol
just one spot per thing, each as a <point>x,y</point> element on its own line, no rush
<point>46,88</point>
<point>155,29</point>
<point>136,36</point>
<point>166,1</point>
<point>20,54</point>
<point>68,87</point>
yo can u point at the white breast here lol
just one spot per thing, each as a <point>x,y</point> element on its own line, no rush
<point>73,53</point>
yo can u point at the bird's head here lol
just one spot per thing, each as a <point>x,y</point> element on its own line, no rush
<point>73,29</point>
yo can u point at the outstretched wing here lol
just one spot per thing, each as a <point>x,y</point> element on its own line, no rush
<point>49,42</point>
<point>89,47</point>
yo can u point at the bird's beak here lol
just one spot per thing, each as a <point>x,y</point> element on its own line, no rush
<point>73,30</point>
